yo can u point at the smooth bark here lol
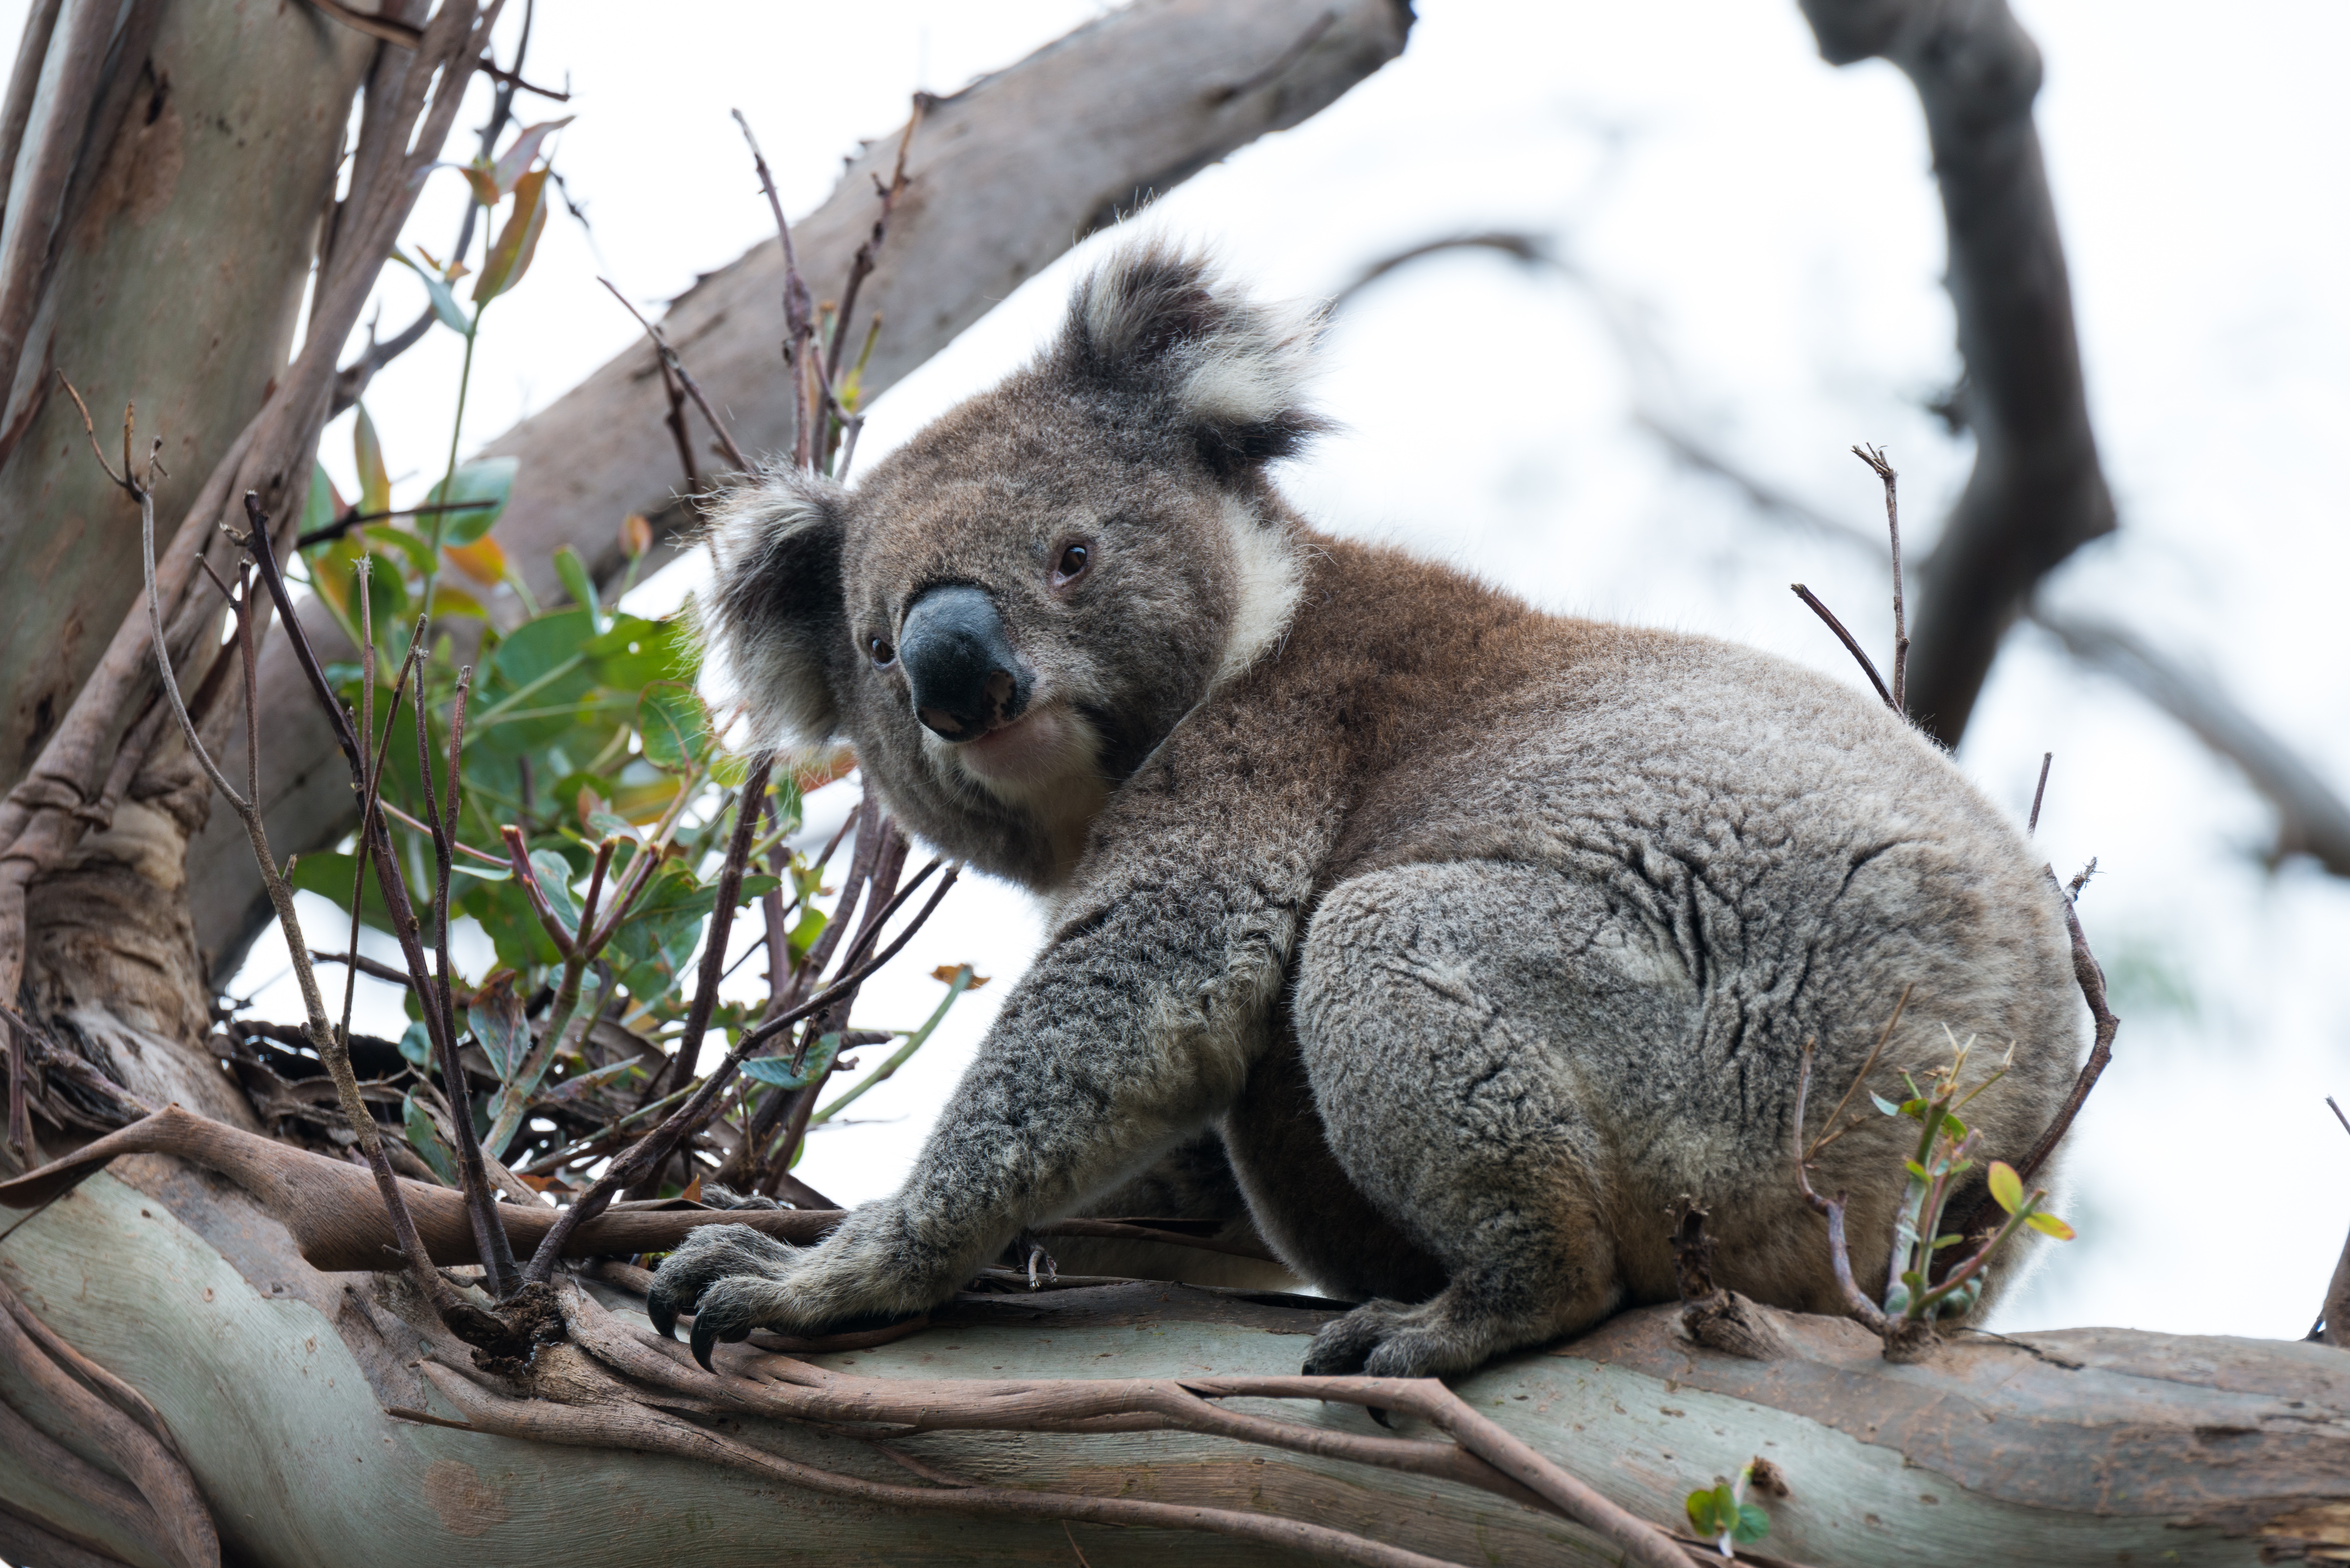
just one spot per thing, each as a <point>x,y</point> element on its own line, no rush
<point>2065,1448</point>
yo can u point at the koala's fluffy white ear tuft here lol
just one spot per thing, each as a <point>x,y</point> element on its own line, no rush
<point>1160,323</point>
<point>775,620</point>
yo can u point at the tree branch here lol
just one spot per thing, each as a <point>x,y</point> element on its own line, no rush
<point>2036,494</point>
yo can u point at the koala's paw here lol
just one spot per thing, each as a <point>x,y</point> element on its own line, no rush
<point>1387,1339</point>
<point>733,1279</point>
<point>712,1256</point>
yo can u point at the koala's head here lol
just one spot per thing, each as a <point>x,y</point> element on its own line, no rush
<point>1008,615</point>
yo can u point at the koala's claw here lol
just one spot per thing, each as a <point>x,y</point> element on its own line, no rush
<point>709,1257</point>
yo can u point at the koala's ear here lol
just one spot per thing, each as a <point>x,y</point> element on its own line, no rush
<point>776,617</point>
<point>1158,324</point>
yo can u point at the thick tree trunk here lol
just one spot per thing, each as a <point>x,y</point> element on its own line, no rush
<point>2087,1446</point>
<point>1006,175</point>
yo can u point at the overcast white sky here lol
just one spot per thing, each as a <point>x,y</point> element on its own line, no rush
<point>1766,228</point>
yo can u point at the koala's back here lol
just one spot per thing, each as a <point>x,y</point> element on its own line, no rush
<point>1711,855</point>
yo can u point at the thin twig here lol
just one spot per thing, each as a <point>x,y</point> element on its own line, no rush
<point>1827,1135</point>
<point>2338,1116</point>
<point>2038,791</point>
<point>1845,636</point>
<point>685,379</point>
<point>2091,978</point>
<point>1875,458</point>
<point>654,1150</point>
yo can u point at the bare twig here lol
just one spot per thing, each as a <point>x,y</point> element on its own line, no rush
<point>654,1150</point>
<point>2092,979</point>
<point>685,378</point>
<point>1875,458</point>
<point>2038,791</point>
<point>1845,636</point>
<point>1828,1133</point>
<point>498,1255</point>
<point>861,265</point>
<point>1872,1316</point>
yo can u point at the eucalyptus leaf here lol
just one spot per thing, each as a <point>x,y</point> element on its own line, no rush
<point>416,1044</point>
<point>673,726</point>
<point>2006,1187</point>
<point>573,571</point>
<point>778,1070</point>
<point>425,1139</point>
<point>444,304</point>
<point>496,1017</point>
<point>489,480</point>
<point>367,453</point>
<point>554,877</point>
<point>510,255</point>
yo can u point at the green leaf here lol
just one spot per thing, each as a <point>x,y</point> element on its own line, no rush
<point>506,914</point>
<point>604,824</point>
<point>400,542</point>
<point>444,304</point>
<point>496,1017</point>
<point>416,1044</point>
<point>673,725</point>
<point>554,876</point>
<point>635,652</point>
<point>489,479</point>
<point>321,506</point>
<point>804,935</point>
<point>517,242</point>
<point>1700,1503</point>
<point>2049,1225</point>
<point>425,1139</point>
<point>777,1070</point>
<point>1752,1525</point>
<point>2006,1187</point>
<point>1916,1169</point>
<point>1888,1106</point>
<point>508,171</point>
<point>367,452</point>
<point>573,571</point>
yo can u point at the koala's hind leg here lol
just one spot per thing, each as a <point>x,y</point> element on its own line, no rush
<point>1441,1010</point>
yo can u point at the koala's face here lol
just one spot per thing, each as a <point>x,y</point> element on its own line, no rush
<point>1015,609</point>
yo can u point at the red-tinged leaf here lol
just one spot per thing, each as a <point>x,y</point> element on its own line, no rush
<point>692,1193</point>
<point>2006,1187</point>
<point>945,975</point>
<point>510,257</point>
<point>481,175</point>
<point>2049,1225</point>
<point>508,170</point>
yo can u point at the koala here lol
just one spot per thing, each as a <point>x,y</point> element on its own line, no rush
<point>1476,934</point>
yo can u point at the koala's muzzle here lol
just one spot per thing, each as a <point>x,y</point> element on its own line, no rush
<point>966,680</point>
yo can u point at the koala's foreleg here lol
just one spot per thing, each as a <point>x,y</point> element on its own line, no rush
<point>1136,1027</point>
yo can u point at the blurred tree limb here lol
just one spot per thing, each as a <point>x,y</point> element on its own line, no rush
<point>1006,175</point>
<point>2036,494</point>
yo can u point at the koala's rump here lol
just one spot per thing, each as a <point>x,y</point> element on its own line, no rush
<point>1715,856</point>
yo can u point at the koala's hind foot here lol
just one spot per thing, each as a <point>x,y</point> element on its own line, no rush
<point>1436,1006</point>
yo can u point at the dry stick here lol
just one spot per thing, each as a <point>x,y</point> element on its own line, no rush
<point>1875,458</point>
<point>1482,1454</point>
<point>489,1231</point>
<point>1845,636</point>
<point>653,1150</point>
<point>685,379</point>
<point>1827,1135</point>
<point>374,789</point>
<point>860,266</point>
<point>2038,791</point>
<point>2091,978</point>
<point>748,802</point>
<point>634,1426</point>
<point>1871,1315</point>
<point>331,1047</point>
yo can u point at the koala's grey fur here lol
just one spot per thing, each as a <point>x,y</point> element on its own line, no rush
<point>1477,934</point>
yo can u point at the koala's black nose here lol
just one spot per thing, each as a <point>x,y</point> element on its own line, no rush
<point>966,679</point>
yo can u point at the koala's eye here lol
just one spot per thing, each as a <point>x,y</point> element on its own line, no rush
<point>884,655</point>
<point>1071,565</point>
